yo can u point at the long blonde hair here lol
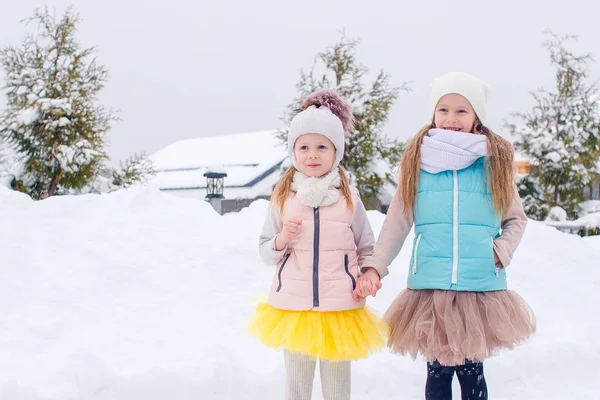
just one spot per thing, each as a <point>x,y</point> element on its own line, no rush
<point>283,187</point>
<point>499,169</point>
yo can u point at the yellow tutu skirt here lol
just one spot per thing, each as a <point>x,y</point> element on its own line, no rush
<point>328,335</point>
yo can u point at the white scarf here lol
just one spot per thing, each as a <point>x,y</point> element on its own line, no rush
<point>317,191</point>
<point>446,150</point>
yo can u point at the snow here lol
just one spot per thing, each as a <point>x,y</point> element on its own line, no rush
<point>589,206</point>
<point>216,169</point>
<point>380,168</point>
<point>589,217</point>
<point>64,121</point>
<point>237,149</point>
<point>139,294</point>
<point>554,157</point>
<point>591,220</point>
<point>521,157</point>
<point>74,157</point>
<point>10,164</point>
<point>557,214</point>
<point>28,116</point>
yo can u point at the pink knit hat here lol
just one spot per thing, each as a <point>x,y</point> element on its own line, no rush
<point>324,112</point>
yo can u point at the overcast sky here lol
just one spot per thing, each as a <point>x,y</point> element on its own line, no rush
<point>183,69</point>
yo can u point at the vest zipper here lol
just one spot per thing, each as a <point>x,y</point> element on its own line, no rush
<point>455,232</point>
<point>414,266</point>
<point>280,271</point>
<point>316,259</point>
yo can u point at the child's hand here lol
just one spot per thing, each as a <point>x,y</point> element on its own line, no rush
<point>497,261</point>
<point>288,232</point>
<point>367,284</point>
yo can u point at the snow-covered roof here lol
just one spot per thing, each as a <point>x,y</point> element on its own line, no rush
<point>252,162</point>
<point>247,158</point>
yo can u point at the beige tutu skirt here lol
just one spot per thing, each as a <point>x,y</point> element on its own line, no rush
<point>452,327</point>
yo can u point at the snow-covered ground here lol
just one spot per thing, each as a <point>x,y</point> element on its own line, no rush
<point>142,295</point>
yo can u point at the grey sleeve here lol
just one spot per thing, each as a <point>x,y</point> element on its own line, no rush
<point>513,227</point>
<point>266,246</point>
<point>363,233</point>
<point>395,228</point>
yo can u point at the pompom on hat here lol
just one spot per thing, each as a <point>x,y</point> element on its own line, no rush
<point>324,112</point>
<point>473,89</point>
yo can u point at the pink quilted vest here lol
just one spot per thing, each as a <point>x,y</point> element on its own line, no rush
<point>320,267</point>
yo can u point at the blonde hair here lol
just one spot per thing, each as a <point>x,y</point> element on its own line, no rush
<point>283,187</point>
<point>499,169</point>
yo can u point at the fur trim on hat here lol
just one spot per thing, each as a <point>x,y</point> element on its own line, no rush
<point>331,99</point>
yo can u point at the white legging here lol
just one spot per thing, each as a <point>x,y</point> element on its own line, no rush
<point>300,373</point>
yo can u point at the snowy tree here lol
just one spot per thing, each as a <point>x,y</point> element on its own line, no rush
<point>531,196</point>
<point>561,134</point>
<point>53,118</point>
<point>368,153</point>
<point>136,169</point>
<point>8,163</point>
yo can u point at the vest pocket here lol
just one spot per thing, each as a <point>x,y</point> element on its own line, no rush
<point>415,250</point>
<point>281,270</point>
<point>348,271</point>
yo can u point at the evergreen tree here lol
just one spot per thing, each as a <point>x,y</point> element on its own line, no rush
<point>53,118</point>
<point>368,153</point>
<point>531,196</point>
<point>136,169</point>
<point>561,134</point>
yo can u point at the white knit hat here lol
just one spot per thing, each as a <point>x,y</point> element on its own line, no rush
<point>326,113</point>
<point>473,89</point>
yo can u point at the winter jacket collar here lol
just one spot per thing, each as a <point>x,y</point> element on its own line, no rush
<point>317,191</point>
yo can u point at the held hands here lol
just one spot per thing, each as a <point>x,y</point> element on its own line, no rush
<point>367,284</point>
<point>288,232</point>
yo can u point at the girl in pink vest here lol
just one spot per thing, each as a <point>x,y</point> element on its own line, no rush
<point>317,235</point>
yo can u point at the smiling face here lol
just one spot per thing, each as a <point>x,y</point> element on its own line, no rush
<point>454,112</point>
<point>314,154</point>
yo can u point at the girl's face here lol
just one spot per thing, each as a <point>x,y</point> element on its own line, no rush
<point>454,112</point>
<point>315,154</point>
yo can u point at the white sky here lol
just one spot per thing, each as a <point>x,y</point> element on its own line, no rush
<point>182,69</point>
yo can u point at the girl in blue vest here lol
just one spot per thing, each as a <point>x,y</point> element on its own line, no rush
<point>456,187</point>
